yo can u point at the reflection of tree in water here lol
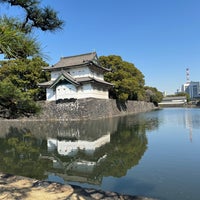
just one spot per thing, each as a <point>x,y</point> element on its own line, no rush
<point>127,147</point>
<point>21,149</point>
<point>19,153</point>
<point>124,151</point>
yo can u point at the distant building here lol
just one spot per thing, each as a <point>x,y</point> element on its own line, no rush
<point>192,88</point>
<point>164,93</point>
<point>173,101</point>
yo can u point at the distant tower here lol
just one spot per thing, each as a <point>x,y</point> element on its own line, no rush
<point>187,75</point>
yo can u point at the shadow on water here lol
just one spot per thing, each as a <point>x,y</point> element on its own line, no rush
<point>84,151</point>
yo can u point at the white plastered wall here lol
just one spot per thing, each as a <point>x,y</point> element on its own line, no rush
<point>66,91</point>
<point>87,91</point>
<point>78,72</point>
<point>50,94</point>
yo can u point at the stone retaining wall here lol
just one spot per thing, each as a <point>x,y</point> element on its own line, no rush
<point>91,109</point>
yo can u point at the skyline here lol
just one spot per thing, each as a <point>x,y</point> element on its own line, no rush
<point>161,38</point>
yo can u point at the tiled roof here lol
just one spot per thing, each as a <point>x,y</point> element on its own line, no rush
<point>51,83</point>
<point>65,76</point>
<point>90,79</point>
<point>71,61</point>
<point>70,78</point>
<point>74,81</point>
<point>75,60</point>
<point>46,84</point>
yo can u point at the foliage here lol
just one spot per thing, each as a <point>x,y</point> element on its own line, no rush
<point>128,145</point>
<point>19,154</point>
<point>153,95</point>
<point>16,40</point>
<point>13,102</point>
<point>20,150</point>
<point>42,18</point>
<point>14,43</point>
<point>19,86</point>
<point>19,77</point>
<point>127,79</point>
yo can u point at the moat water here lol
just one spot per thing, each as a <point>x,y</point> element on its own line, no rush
<point>154,154</point>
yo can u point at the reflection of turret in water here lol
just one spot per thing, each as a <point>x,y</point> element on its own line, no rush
<point>110,155</point>
<point>77,165</point>
<point>70,147</point>
<point>84,151</point>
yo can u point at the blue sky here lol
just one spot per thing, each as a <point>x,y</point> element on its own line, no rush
<point>161,37</point>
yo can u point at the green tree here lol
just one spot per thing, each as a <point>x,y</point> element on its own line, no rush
<point>15,43</point>
<point>16,40</point>
<point>14,103</point>
<point>153,95</point>
<point>44,18</point>
<point>19,86</point>
<point>127,79</point>
<point>19,77</point>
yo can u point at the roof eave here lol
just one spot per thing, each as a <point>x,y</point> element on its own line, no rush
<point>100,67</point>
<point>73,82</point>
<point>62,67</point>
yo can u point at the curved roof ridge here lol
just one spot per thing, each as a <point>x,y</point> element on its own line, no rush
<point>75,60</point>
<point>84,54</point>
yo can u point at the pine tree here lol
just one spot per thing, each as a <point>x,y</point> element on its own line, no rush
<point>16,40</point>
<point>45,18</point>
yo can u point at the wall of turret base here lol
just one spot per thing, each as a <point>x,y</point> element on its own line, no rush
<point>82,109</point>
